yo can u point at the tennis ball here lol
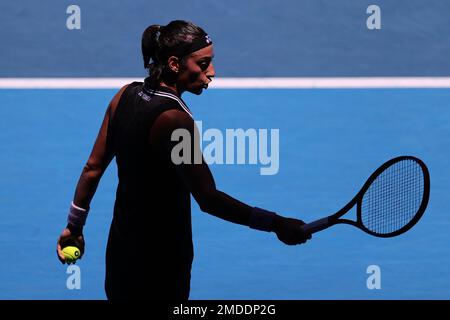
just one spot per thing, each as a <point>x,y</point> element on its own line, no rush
<point>71,254</point>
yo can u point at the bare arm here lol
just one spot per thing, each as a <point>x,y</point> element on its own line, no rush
<point>197,177</point>
<point>99,159</point>
<point>200,182</point>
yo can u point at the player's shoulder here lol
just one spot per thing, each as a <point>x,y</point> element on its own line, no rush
<point>175,118</point>
<point>115,100</point>
<point>167,122</point>
<point>122,90</point>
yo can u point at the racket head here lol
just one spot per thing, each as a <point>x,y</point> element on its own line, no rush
<point>394,198</point>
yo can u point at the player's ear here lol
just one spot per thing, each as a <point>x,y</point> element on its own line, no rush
<point>174,64</point>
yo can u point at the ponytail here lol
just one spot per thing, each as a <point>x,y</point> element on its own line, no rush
<point>150,44</point>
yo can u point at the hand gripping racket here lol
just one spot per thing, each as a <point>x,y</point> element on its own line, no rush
<point>390,203</point>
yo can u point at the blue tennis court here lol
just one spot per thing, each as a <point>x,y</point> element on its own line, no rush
<point>330,142</point>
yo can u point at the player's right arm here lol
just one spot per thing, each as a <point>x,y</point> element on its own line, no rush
<point>199,180</point>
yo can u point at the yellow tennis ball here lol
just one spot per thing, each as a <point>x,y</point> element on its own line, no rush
<point>71,254</point>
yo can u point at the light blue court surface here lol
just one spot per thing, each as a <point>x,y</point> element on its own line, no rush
<point>330,142</point>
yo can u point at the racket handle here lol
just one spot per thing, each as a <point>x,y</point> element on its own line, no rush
<point>317,225</point>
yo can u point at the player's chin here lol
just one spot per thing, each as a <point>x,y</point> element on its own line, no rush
<point>198,90</point>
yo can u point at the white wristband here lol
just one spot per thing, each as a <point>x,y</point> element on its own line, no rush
<point>77,216</point>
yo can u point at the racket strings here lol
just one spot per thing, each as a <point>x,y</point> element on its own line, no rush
<point>393,198</point>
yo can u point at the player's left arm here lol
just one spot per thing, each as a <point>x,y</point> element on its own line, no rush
<point>98,161</point>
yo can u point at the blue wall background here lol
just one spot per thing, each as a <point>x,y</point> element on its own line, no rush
<point>252,37</point>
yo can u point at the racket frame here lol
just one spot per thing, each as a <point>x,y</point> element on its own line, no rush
<point>333,219</point>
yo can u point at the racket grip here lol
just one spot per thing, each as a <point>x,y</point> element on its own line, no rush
<point>317,225</point>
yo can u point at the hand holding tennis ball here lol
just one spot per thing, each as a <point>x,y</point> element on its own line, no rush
<point>71,254</point>
<point>70,245</point>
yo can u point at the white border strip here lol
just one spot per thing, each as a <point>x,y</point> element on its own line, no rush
<point>64,83</point>
<point>329,83</point>
<point>237,83</point>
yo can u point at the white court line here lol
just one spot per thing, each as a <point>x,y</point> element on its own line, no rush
<point>238,83</point>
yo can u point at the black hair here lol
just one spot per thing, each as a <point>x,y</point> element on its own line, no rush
<point>161,42</point>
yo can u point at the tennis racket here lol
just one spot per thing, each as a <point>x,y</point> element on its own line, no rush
<point>390,203</point>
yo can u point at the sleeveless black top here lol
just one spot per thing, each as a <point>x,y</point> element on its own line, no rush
<point>150,239</point>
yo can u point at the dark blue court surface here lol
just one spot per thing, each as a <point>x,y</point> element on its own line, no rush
<point>330,142</point>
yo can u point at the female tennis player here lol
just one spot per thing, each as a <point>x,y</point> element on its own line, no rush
<point>150,251</point>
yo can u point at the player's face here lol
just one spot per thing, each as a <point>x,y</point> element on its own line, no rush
<point>197,71</point>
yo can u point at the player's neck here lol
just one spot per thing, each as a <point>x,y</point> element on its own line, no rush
<point>173,87</point>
